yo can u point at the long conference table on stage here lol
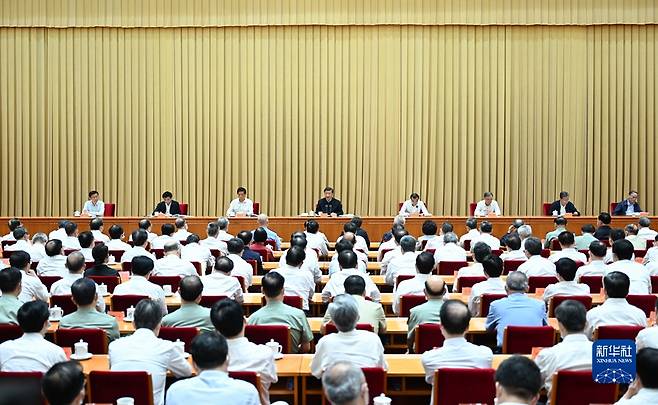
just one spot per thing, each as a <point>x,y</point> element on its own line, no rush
<point>332,227</point>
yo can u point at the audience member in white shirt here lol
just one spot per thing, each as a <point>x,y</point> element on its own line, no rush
<point>361,348</point>
<point>298,281</point>
<point>567,242</point>
<point>536,265</point>
<point>485,236</point>
<point>341,246</point>
<point>644,390</point>
<point>140,241</point>
<point>560,226</point>
<point>86,240</point>
<point>144,351</point>
<point>54,262</point>
<point>360,243</point>
<point>344,383</point>
<point>648,337</point>
<point>514,252</point>
<point>348,267</point>
<point>211,242</point>
<point>456,352</point>
<point>181,233</point>
<point>171,264</point>
<point>492,266</point>
<point>138,284</point>
<point>31,286</point>
<point>241,205</point>
<point>223,234</point>
<point>487,206</point>
<point>193,251</point>
<point>615,235</point>
<point>36,249</point>
<point>58,233</point>
<point>471,231</point>
<point>167,234</point>
<point>146,225</point>
<point>405,263</point>
<point>396,251</point>
<point>116,236</point>
<point>31,352</point>
<point>221,282</point>
<point>518,381</point>
<point>228,318</point>
<point>75,263</point>
<point>615,310</point>
<point>311,263</point>
<point>96,227</point>
<point>596,265</point>
<point>566,273</point>
<point>413,206</point>
<point>652,253</point>
<point>64,383</point>
<point>645,230</point>
<point>525,231</point>
<point>240,266</point>
<point>480,251</point>
<point>22,238</point>
<point>414,286</point>
<point>639,243</point>
<point>429,230</point>
<point>575,350</point>
<point>388,241</point>
<point>210,360</point>
<point>450,251</point>
<point>71,239</point>
<point>315,238</point>
<point>13,224</point>
<point>622,251</point>
<point>94,206</point>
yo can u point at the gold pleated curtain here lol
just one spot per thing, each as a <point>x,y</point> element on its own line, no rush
<point>377,99</point>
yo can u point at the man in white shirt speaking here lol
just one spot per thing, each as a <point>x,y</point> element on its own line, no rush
<point>414,206</point>
<point>93,207</point>
<point>487,206</point>
<point>241,205</point>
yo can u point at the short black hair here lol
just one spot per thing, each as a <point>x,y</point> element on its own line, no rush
<point>144,224</point>
<point>647,364</point>
<point>100,252</point>
<point>209,350</point>
<point>86,239</point>
<point>96,223</point>
<point>272,284</point>
<point>190,288</point>
<point>312,226</point>
<point>357,221</point>
<point>75,262</point>
<point>588,228</point>
<point>486,227</point>
<point>598,248</point>
<point>53,247</point>
<point>520,377</point>
<point>167,229</point>
<point>140,237</point>
<point>167,194</point>
<point>513,242</point>
<point>32,316</point>
<point>344,244</point>
<point>492,265</point>
<point>19,259</point>
<point>563,194</point>
<point>429,227</point>
<point>472,223</point>
<point>142,265</point>
<point>115,232</point>
<point>414,196</point>
<point>83,291</point>
<point>19,233</point>
<point>399,234</point>
<point>480,251</point>
<point>350,227</point>
<point>347,259</point>
<point>192,238</point>
<point>9,279</point>
<point>566,238</point>
<point>446,227</point>
<point>617,234</point>
<point>92,193</point>
<point>572,315</point>
<point>623,249</point>
<point>180,223</point>
<point>425,263</point>
<point>299,240</point>
<point>295,256</point>
<point>566,268</point>
<point>224,264</point>
<point>148,314</point>
<point>70,228</point>
<point>354,285</point>
<point>605,218</point>
<point>260,235</point>
<point>228,318</point>
<point>328,189</point>
<point>455,317</point>
<point>241,189</point>
<point>616,284</point>
<point>245,237</point>
<point>235,245</point>
<point>560,221</point>
<point>533,246</point>
<point>13,224</point>
<point>63,382</point>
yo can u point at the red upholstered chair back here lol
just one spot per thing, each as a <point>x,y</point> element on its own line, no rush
<point>69,251</point>
<point>89,265</point>
<point>158,252</point>
<point>449,268</point>
<point>63,301</point>
<point>184,334</point>
<point>208,300</point>
<point>256,208</point>
<point>123,302</point>
<point>9,331</point>
<point>6,254</point>
<point>650,243</point>
<point>450,389</point>
<point>127,266</point>
<point>331,328</point>
<point>109,210</point>
<point>271,243</point>
<point>428,336</point>
<point>96,338</point>
<point>521,339</point>
<point>376,380</point>
<point>535,282</point>
<point>613,205</point>
<point>6,243</point>
<point>117,255</point>
<point>29,383</point>
<point>469,281</point>
<point>556,300</point>
<point>467,244</point>
<point>654,284</point>
<point>545,209</point>
<point>108,386</point>
<point>48,281</point>
<point>640,252</point>
<point>254,265</point>
<point>265,254</point>
<point>173,281</point>
<point>197,267</point>
<point>555,244</point>
<point>486,300</point>
<point>617,332</point>
<point>400,204</point>
<point>511,265</point>
<point>497,252</point>
<point>183,208</point>
<point>293,301</point>
<point>403,277</point>
<point>251,377</point>
<point>585,252</point>
<point>578,388</point>
<point>409,301</point>
<point>471,208</point>
<point>261,334</point>
<point>595,283</point>
<point>110,281</point>
<point>545,253</point>
<point>242,282</point>
<point>646,302</point>
<point>605,242</point>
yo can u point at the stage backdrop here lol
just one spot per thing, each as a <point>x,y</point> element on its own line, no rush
<point>376,98</point>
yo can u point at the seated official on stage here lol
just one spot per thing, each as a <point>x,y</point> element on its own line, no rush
<point>428,312</point>
<point>211,242</point>
<point>644,390</point>
<point>311,263</point>
<point>210,359</point>
<point>75,264</point>
<point>563,206</point>
<point>171,264</point>
<point>181,233</point>
<point>54,264</point>
<point>240,266</point>
<point>485,236</point>
<point>263,222</point>
<point>629,206</point>
<point>31,286</point>
<point>221,282</point>
<point>64,383</point>
<point>370,312</point>
<point>138,284</point>
<point>316,239</point>
<point>413,206</point>
<point>405,263</point>
<point>241,206</point>
<point>344,383</point>
<point>560,226</point>
<point>93,207</point>
<point>193,251</point>
<point>640,279</point>
<point>140,242</point>
<point>536,265</point>
<point>487,206</point>
<point>348,264</point>
<point>84,292</point>
<point>298,280</point>
<point>190,313</point>
<point>492,266</point>
<point>566,285</point>
<point>168,206</point>
<point>329,205</point>
<point>10,286</point>
<point>416,285</point>
<point>518,381</point>
<point>101,255</point>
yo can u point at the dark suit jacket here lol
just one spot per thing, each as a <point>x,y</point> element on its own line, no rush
<point>332,207</point>
<point>173,210</point>
<point>101,270</point>
<point>570,208</point>
<point>621,208</point>
<point>360,232</point>
<point>603,233</point>
<point>248,254</point>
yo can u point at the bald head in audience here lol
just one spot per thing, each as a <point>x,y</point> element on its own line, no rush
<point>434,288</point>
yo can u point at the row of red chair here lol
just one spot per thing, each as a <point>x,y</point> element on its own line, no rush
<point>111,209</point>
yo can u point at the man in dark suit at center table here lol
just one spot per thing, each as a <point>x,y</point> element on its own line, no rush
<point>329,205</point>
<point>167,206</point>
<point>629,206</point>
<point>563,206</point>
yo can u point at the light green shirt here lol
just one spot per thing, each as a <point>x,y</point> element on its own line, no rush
<point>190,315</point>
<point>369,312</point>
<point>9,306</point>
<point>276,312</point>
<point>583,241</point>
<point>424,313</point>
<point>90,318</point>
<point>553,234</point>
